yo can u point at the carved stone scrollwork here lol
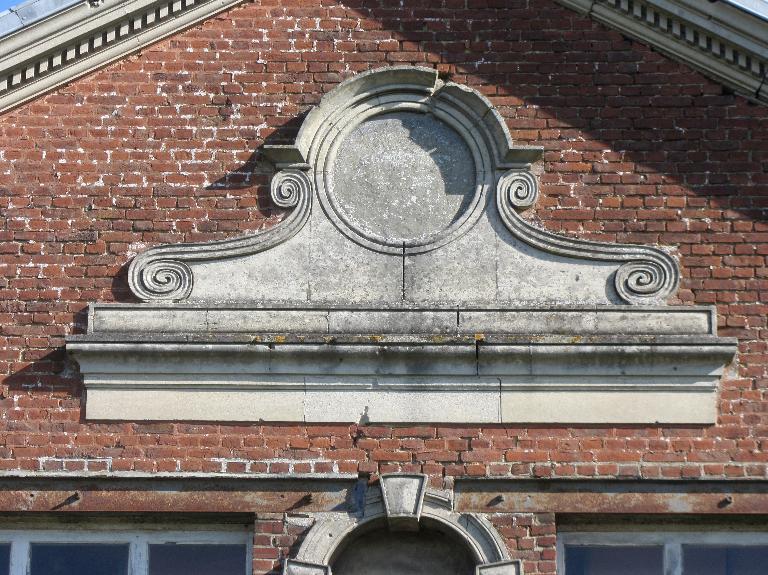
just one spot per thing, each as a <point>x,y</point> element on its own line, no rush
<point>649,275</point>
<point>404,164</point>
<point>163,280</point>
<point>162,273</point>
<point>520,188</point>
<point>288,187</point>
<point>640,281</point>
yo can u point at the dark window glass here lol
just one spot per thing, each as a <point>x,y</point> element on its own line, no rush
<point>614,560</point>
<point>77,559</point>
<point>711,560</point>
<point>184,559</point>
<point>5,558</point>
<point>384,552</point>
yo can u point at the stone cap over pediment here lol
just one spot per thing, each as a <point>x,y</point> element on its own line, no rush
<point>403,286</point>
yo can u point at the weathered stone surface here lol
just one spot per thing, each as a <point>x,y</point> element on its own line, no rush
<point>344,272</point>
<point>403,496</point>
<point>528,275</point>
<point>585,321</point>
<point>280,274</point>
<point>501,568</point>
<point>174,403</point>
<point>428,400</point>
<point>672,381</point>
<point>462,272</point>
<point>611,405</point>
<point>404,189</point>
<point>404,285</point>
<point>293,567</point>
<point>372,321</point>
<point>402,176</point>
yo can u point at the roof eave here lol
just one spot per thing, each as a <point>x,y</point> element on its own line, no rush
<point>73,42</point>
<point>720,40</point>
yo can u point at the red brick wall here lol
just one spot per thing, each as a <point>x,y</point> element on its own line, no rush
<point>162,147</point>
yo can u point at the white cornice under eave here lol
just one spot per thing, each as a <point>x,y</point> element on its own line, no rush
<point>725,43</point>
<point>722,41</point>
<point>75,41</point>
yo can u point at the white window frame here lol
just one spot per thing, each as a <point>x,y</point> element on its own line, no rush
<point>671,541</point>
<point>138,541</point>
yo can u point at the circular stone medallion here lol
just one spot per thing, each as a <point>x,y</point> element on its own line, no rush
<point>402,177</point>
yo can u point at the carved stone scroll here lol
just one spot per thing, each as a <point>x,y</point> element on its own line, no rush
<point>162,273</point>
<point>402,165</point>
<point>647,276</point>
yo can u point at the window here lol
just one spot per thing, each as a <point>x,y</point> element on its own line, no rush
<point>663,553</point>
<point>119,551</point>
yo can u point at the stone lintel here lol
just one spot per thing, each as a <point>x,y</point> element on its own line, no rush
<point>601,497</point>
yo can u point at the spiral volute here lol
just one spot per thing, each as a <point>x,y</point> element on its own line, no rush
<point>164,280</point>
<point>518,188</point>
<point>288,187</point>
<point>643,282</point>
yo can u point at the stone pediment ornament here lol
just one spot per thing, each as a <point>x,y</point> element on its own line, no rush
<point>401,163</point>
<point>403,286</point>
<point>400,495</point>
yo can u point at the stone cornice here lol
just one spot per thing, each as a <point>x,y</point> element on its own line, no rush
<point>78,40</point>
<point>723,42</point>
<point>569,365</point>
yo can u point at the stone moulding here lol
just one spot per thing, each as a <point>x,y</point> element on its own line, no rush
<point>720,40</point>
<point>352,311</point>
<point>87,36</point>
<point>333,531</point>
<point>647,275</point>
<point>627,364</point>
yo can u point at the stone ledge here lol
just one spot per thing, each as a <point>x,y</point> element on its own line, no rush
<point>623,320</point>
<point>405,378</point>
